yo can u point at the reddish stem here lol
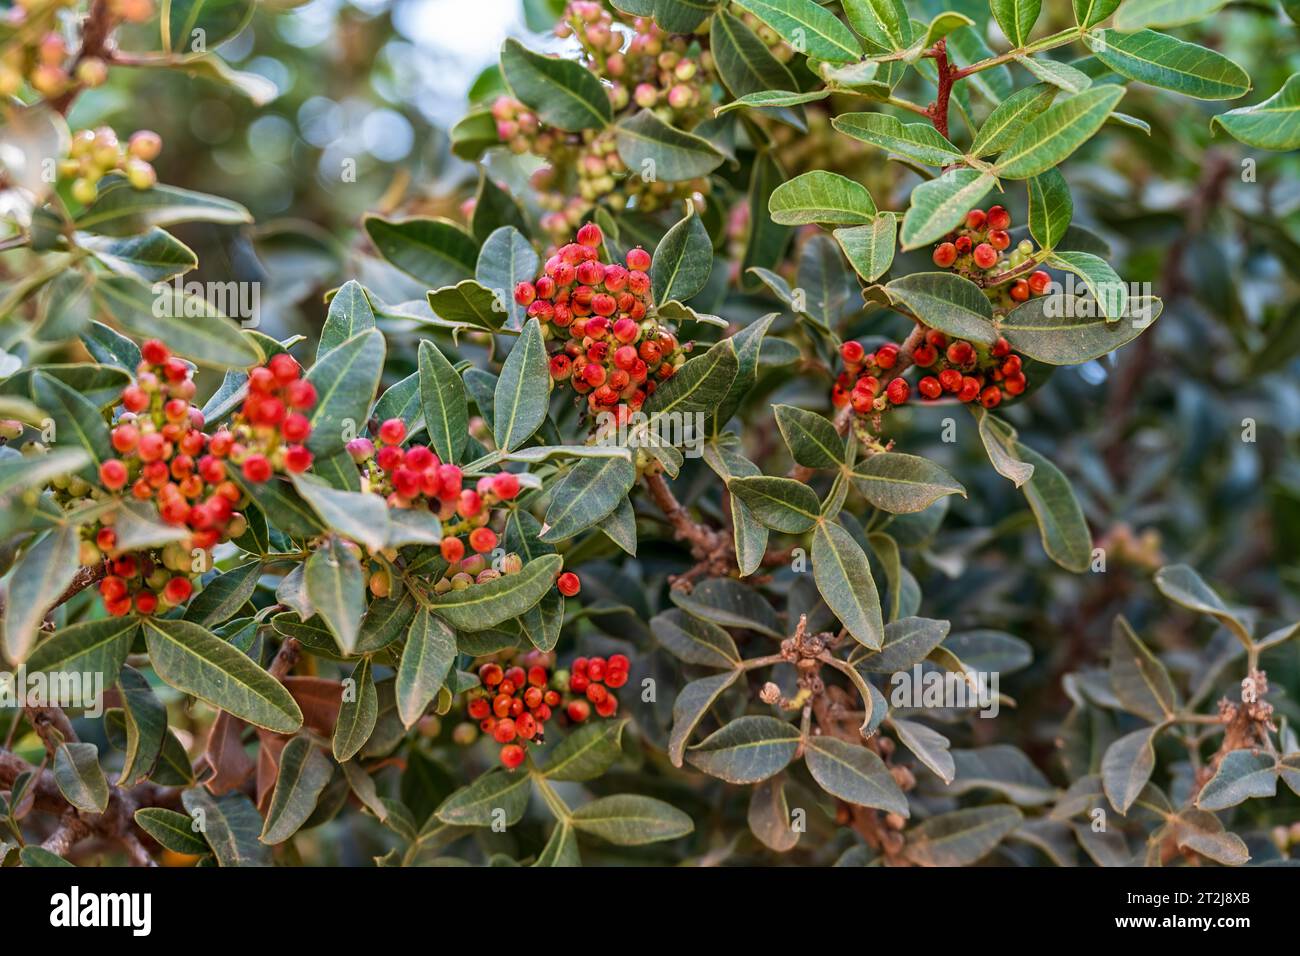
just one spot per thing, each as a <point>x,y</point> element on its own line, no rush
<point>948,74</point>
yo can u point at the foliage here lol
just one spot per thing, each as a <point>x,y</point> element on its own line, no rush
<point>627,512</point>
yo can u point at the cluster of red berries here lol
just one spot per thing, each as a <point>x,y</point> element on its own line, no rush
<point>415,477</point>
<point>513,706</point>
<point>165,458</point>
<point>267,435</point>
<point>964,370</point>
<point>980,247</point>
<point>594,679</point>
<point>36,51</point>
<point>613,353</point>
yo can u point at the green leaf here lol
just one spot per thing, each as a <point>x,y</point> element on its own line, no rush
<point>586,495</point>
<point>1054,134</point>
<point>80,778</point>
<point>903,484</point>
<point>940,205</point>
<point>224,595</point>
<point>692,703</point>
<point>121,210</point>
<point>907,642</point>
<point>1137,677</point>
<point>1000,444</point>
<point>870,249</point>
<point>1002,769</point>
<point>700,385</point>
<point>747,750</point>
<point>1172,64</point>
<point>772,99</point>
<point>561,848</point>
<point>171,829</point>
<point>1271,124</point>
<point>1061,75</point>
<point>821,197</point>
<point>744,63</point>
<point>812,440</point>
<point>231,825</point>
<point>1100,279</point>
<point>807,27</point>
<point>346,380</point>
<point>928,746</point>
<point>519,404</point>
<point>77,421</point>
<point>947,302</point>
<point>426,659</point>
<point>843,577</point>
<point>854,774</point>
<point>91,647</point>
<point>437,252</point>
<point>682,261</point>
<point>38,580</point>
<point>1137,14</point>
<point>884,23</point>
<point>34,855</point>
<point>361,516</point>
<point>631,820</point>
<point>190,326</point>
<point>1064,339</point>
<point>19,473</point>
<point>1050,208</point>
<point>481,606</point>
<point>781,504</point>
<point>350,313</point>
<point>304,772</point>
<point>505,260</point>
<point>562,91</point>
<point>587,752</point>
<point>651,148</point>
<point>693,640</point>
<point>916,141</point>
<point>476,805</point>
<point>442,396</point>
<point>146,727</point>
<point>202,665</point>
<point>1016,18</point>
<point>149,257</point>
<point>1011,116</point>
<point>468,302</point>
<point>1203,832</point>
<point>1242,774</point>
<point>1061,524</point>
<point>357,714</point>
<point>336,588</point>
<point>1182,585</point>
<point>1088,13</point>
<point>727,602</point>
<point>1126,766</point>
<point>962,837</point>
<point>745,347</point>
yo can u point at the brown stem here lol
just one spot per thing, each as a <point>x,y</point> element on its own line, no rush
<point>938,110</point>
<point>95,31</point>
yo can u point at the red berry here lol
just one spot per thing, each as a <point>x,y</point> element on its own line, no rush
<point>284,368</point>
<point>295,428</point>
<point>963,244</point>
<point>638,259</point>
<point>999,239</point>
<point>525,293</point>
<point>990,397</point>
<point>297,458</point>
<point>608,707</point>
<point>154,352</point>
<point>929,387</point>
<point>482,540</point>
<point>615,678</point>
<point>1015,384</point>
<point>505,731</point>
<point>392,431</point>
<point>491,674</point>
<point>590,236</point>
<point>505,485</point>
<point>112,474</point>
<point>1039,281</point>
<point>970,389</point>
<point>146,602</point>
<point>178,590</point>
<point>999,218</point>
<point>578,711</point>
<point>945,254</point>
<point>887,355</point>
<point>568,583</point>
<point>950,379</point>
<point>961,353</point>
<point>925,355</point>
<point>512,755</point>
<point>897,391</point>
<point>976,218</point>
<point>257,468</point>
<point>125,437</point>
<point>986,256</point>
<point>1019,290</point>
<point>1000,348</point>
<point>302,394</point>
<point>596,668</point>
<point>852,353</point>
<point>537,676</point>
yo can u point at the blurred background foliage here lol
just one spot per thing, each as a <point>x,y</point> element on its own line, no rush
<point>1182,446</point>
